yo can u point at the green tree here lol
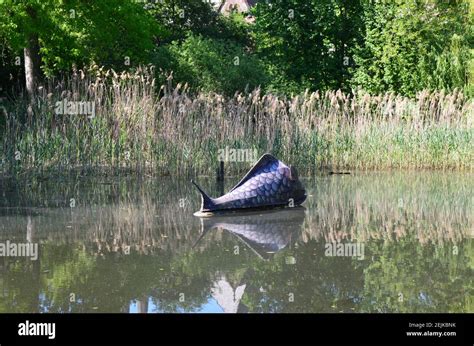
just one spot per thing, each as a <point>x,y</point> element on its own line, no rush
<point>183,17</point>
<point>306,44</point>
<point>56,34</point>
<point>211,65</point>
<point>412,45</point>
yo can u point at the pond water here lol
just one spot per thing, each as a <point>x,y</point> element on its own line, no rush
<point>365,242</point>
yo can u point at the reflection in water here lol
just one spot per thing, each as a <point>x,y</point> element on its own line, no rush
<point>227,298</point>
<point>265,232</point>
<point>127,245</point>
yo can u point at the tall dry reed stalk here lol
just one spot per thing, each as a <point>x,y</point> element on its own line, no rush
<point>172,131</point>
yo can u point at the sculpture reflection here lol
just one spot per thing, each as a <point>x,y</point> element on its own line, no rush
<point>265,232</point>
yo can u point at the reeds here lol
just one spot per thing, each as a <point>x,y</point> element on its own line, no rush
<point>169,130</point>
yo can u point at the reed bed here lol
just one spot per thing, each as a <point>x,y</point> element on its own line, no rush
<point>171,130</point>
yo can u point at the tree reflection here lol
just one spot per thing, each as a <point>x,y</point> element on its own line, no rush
<point>125,248</point>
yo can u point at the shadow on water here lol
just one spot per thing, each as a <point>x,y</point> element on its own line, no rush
<point>382,242</point>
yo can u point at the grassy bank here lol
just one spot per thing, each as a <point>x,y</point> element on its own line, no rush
<point>138,125</point>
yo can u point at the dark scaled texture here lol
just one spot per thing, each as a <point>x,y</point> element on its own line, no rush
<point>272,184</point>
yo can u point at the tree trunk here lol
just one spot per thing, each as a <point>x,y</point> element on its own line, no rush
<point>32,59</point>
<point>32,64</point>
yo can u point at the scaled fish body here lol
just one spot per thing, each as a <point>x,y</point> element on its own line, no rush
<point>269,183</point>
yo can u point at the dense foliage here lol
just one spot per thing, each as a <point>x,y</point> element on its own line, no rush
<point>212,64</point>
<point>289,46</point>
<point>307,44</point>
<point>413,45</point>
<point>114,33</point>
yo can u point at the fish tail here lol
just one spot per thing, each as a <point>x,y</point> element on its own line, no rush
<point>207,202</point>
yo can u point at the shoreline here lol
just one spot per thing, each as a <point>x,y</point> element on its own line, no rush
<point>150,173</point>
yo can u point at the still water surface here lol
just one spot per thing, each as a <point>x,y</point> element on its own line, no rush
<point>366,242</point>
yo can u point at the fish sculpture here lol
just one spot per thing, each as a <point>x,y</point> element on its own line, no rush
<point>265,232</point>
<point>269,183</point>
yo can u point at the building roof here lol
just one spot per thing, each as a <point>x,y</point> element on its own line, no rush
<point>226,6</point>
